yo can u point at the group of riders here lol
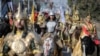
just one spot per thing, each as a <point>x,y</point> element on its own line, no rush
<point>45,34</point>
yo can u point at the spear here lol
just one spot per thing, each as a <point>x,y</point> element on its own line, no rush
<point>32,15</point>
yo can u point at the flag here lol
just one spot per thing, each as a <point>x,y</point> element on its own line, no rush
<point>32,15</point>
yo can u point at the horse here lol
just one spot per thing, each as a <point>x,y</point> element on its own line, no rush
<point>76,42</point>
<point>4,28</point>
<point>53,43</point>
<point>48,44</point>
<point>75,36</point>
<point>83,46</point>
<point>90,47</point>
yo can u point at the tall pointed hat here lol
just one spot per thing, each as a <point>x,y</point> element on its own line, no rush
<point>32,15</point>
<point>19,14</point>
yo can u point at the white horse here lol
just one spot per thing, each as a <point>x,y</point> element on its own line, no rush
<point>48,46</point>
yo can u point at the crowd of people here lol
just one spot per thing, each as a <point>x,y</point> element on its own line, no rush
<point>46,33</point>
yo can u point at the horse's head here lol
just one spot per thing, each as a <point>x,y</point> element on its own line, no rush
<point>86,40</point>
<point>78,32</point>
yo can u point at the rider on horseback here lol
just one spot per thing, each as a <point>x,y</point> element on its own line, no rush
<point>88,28</point>
<point>75,20</point>
<point>88,34</point>
<point>21,42</point>
<point>68,19</point>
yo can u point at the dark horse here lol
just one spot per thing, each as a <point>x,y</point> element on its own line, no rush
<point>4,30</point>
<point>90,47</point>
<point>4,27</point>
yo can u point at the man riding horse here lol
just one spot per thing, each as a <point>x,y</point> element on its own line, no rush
<point>21,42</point>
<point>41,24</point>
<point>89,34</point>
<point>74,26</point>
<point>85,44</point>
<point>75,33</point>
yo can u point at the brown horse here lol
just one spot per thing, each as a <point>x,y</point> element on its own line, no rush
<point>76,42</point>
<point>75,36</point>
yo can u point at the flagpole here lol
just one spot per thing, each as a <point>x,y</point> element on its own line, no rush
<point>28,6</point>
<point>0,7</point>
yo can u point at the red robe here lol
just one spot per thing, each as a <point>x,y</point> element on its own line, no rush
<point>85,31</point>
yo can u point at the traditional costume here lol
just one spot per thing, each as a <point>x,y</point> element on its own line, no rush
<point>22,42</point>
<point>51,24</point>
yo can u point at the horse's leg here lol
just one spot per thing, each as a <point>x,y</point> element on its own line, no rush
<point>59,46</point>
<point>98,50</point>
<point>94,53</point>
<point>55,52</point>
<point>59,52</point>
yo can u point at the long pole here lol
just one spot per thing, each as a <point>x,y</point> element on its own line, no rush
<point>28,6</point>
<point>0,7</point>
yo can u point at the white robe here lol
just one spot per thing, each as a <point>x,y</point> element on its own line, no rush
<point>50,26</point>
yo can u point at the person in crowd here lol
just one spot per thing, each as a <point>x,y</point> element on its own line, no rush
<point>88,28</point>
<point>68,19</point>
<point>10,18</point>
<point>51,23</point>
<point>75,19</point>
<point>41,23</point>
<point>21,42</point>
<point>57,15</point>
